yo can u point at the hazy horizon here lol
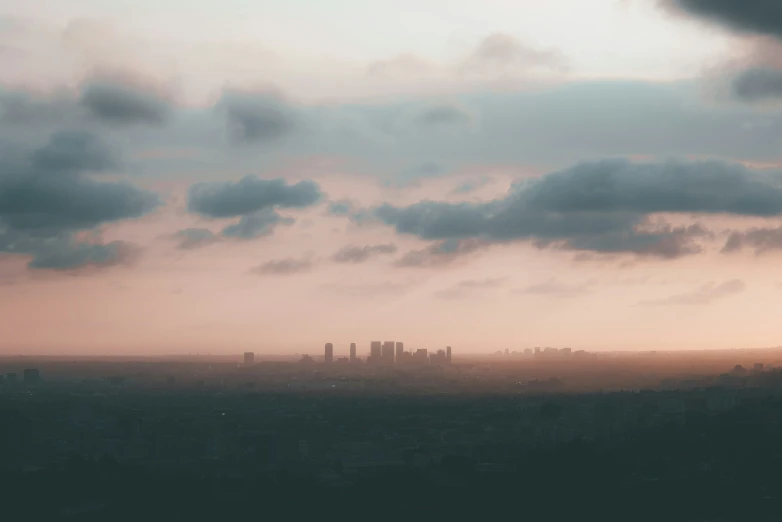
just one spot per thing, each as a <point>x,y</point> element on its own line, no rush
<point>599,174</point>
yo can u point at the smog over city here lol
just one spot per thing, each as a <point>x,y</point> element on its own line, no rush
<point>342,259</point>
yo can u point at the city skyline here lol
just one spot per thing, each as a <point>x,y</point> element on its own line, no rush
<point>599,174</point>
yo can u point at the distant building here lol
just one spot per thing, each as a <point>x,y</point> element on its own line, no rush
<point>528,351</point>
<point>329,353</point>
<point>566,351</point>
<point>11,378</point>
<point>448,353</point>
<point>537,351</point>
<point>305,359</point>
<point>31,376</point>
<point>438,358</point>
<point>400,349</point>
<point>387,354</point>
<point>352,352</point>
<point>375,350</point>
<point>759,367</point>
<point>343,360</point>
<point>421,356</point>
<point>249,358</point>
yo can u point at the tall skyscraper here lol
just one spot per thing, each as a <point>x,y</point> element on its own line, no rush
<point>388,353</point>
<point>375,350</point>
<point>352,352</point>
<point>400,349</point>
<point>448,353</point>
<point>249,358</point>
<point>329,353</point>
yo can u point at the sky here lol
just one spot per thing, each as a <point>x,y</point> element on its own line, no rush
<point>277,174</point>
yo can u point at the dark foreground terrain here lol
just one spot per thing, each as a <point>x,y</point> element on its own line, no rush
<point>163,449</point>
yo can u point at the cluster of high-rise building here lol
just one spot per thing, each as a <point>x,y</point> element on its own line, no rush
<point>390,353</point>
<point>544,352</point>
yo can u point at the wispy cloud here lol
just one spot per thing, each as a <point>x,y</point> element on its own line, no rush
<point>703,295</point>
<point>552,287</point>
<point>470,287</point>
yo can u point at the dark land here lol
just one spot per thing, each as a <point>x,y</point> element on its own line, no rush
<point>630,437</point>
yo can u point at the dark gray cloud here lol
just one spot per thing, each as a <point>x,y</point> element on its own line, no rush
<point>20,108</point>
<point>441,253</point>
<point>120,103</point>
<point>257,117</point>
<point>73,255</point>
<point>762,240</point>
<point>45,198</point>
<point>257,224</point>
<point>251,194</point>
<point>194,237</point>
<point>73,151</point>
<point>600,206</point>
<point>359,254</point>
<point>706,294</point>
<point>288,266</point>
<point>758,84</point>
<point>750,16</point>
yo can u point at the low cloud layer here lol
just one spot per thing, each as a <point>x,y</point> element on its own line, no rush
<point>704,295</point>
<point>440,254</point>
<point>45,198</point>
<point>555,288</point>
<point>287,266</point>
<point>189,238</point>
<point>750,16</point>
<point>469,287</point>
<point>112,102</point>
<point>256,117</point>
<point>121,104</point>
<point>600,206</point>
<point>761,240</point>
<point>249,195</point>
<point>759,84</point>
<point>359,254</point>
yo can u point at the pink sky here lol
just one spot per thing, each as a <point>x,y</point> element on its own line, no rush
<point>438,125</point>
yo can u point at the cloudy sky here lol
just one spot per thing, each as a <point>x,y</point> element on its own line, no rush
<point>275,174</point>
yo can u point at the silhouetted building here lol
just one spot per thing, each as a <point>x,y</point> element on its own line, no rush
<point>249,358</point>
<point>388,353</point>
<point>438,358</point>
<point>537,351</point>
<point>400,349</point>
<point>528,351</point>
<point>448,353</point>
<point>329,353</point>
<point>375,351</point>
<point>566,351</point>
<point>11,378</point>
<point>352,352</point>
<point>421,356</point>
<point>31,376</point>
<point>305,359</point>
<point>759,367</point>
